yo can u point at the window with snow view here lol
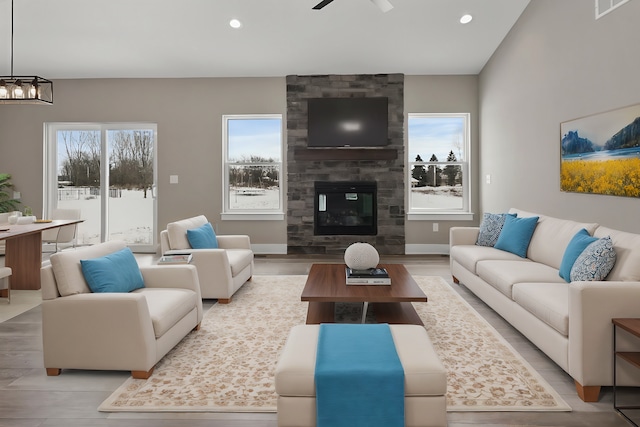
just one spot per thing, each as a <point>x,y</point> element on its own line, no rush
<point>438,167</point>
<point>252,163</point>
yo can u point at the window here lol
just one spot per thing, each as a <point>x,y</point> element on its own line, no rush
<point>252,156</point>
<point>605,6</point>
<point>108,171</point>
<point>438,172</point>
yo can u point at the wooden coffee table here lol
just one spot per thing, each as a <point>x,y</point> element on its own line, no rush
<point>326,285</point>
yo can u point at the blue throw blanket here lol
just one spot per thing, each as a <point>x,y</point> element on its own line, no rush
<point>359,377</point>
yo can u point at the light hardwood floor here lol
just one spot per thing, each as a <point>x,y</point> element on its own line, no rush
<point>28,398</point>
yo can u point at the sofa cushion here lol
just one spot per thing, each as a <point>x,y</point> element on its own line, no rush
<point>549,302</point>
<point>576,246</point>
<point>68,272</point>
<point>239,259</point>
<point>177,231</point>
<point>469,255</point>
<point>116,272</point>
<point>516,235</point>
<point>202,237</point>
<point>167,306</point>
<point>595,262</point>
<point>502,275</point>
<point>551,237</point>
<point>490,228</point>
<point>627,247</point>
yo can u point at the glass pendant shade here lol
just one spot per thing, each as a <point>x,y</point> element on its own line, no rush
<point>25,90</point>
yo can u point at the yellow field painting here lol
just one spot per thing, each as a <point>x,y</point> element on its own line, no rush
<point>619,177</point>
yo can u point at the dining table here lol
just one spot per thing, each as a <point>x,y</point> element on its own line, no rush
<point>23,250</point>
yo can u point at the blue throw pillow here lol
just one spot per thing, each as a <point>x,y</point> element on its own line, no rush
<point>202,237</point>
<point>490,228</point>
<point>595,262</point>
<point>116,272</point>
<point>576,246</point>
<point>516,234</point>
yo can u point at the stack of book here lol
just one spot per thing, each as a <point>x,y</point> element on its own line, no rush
<point>175,259</point>
<point>370,276</point>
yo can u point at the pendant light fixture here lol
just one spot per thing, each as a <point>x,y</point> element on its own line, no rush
<point>24,89</point>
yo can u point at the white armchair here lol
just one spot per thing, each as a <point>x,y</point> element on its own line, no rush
<point>221,271</point>
<point>114,331</point>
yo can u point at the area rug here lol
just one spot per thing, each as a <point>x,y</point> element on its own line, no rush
<point>228,365</point>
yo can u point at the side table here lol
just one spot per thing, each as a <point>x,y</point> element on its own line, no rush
<point>633,357</point>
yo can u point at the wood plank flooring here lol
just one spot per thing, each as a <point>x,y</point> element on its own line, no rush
<point>28,398</point>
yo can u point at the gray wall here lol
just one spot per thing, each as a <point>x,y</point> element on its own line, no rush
<point>557,64</point>
<point>443,94</point>
<point>188,113</point>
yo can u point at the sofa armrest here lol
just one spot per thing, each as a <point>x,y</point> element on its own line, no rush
<point>171,276</point>
<point>231,241</point>
<point>174,276</point>
<point>463,235</point>
<point>592,305</point>
<point>78,331</point>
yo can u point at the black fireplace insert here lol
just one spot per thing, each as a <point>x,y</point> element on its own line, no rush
<point>345,208</point>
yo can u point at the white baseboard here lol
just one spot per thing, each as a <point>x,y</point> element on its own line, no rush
<point>426,249</point>
<point>269,249</point>
<point>414,249</point>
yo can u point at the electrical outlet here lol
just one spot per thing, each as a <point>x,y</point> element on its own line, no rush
<point>487,178</point>
<point>17,195</point>
<point>435,227</point>
<point>173,179</point>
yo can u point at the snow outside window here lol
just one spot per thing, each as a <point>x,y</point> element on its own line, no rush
<point>252,158</point>
<point>438,180</point>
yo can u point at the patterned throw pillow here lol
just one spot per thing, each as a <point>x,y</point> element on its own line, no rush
<point>490,228</point>
<point>595,262</point>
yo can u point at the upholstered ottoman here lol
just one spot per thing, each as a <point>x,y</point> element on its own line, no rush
<point>425,377</point>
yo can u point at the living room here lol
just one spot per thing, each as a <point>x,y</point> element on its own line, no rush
<point>556,64</point>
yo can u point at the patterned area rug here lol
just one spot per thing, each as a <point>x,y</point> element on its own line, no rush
<point>228,366</point>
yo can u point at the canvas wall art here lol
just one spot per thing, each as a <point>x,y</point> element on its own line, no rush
<point>600,154</point>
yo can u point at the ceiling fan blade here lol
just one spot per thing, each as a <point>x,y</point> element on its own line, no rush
<point>383,5</point>
<point>322,4</point>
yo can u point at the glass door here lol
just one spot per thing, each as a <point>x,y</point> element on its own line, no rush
<point>108,172</point>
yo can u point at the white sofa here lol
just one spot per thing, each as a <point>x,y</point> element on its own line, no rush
<point>570,322</point>
<point>221,271</point>
<point>114,331</point>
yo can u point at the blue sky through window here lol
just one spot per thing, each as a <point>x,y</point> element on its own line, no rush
<point>254,137</point>
<point>436,135</point>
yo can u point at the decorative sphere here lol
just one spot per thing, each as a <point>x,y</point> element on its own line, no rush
<point>361,256</point>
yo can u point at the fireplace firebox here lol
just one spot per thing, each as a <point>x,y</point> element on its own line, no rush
<point>345,208</point>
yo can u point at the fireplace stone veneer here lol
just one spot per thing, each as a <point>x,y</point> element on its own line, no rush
<point>305,167</point>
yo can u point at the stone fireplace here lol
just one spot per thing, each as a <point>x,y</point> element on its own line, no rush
<point>383,167</point>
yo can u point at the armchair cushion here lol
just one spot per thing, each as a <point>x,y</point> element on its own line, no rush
<point>116,272</point>
<point>177,231</point>
<point>202,237</point>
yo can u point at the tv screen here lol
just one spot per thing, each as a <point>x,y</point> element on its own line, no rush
<point>347,122</point>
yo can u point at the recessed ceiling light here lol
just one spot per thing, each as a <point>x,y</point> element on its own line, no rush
<point>466,19</point>
<point>234,23</point>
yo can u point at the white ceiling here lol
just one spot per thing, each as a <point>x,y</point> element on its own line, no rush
<point>192,38</point>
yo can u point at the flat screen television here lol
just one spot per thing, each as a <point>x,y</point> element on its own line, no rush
<point>348,122</point>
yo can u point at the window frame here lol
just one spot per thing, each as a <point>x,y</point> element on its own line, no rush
<point>253,214</point>
<point>442,214</point>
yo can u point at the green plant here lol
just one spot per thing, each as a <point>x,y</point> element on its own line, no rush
<point>7,204</point>
<point>27,211</point>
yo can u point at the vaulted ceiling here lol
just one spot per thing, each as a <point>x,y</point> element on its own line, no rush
<point>192,38</point>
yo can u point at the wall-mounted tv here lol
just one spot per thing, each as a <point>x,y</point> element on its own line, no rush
<point>348,122</point>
